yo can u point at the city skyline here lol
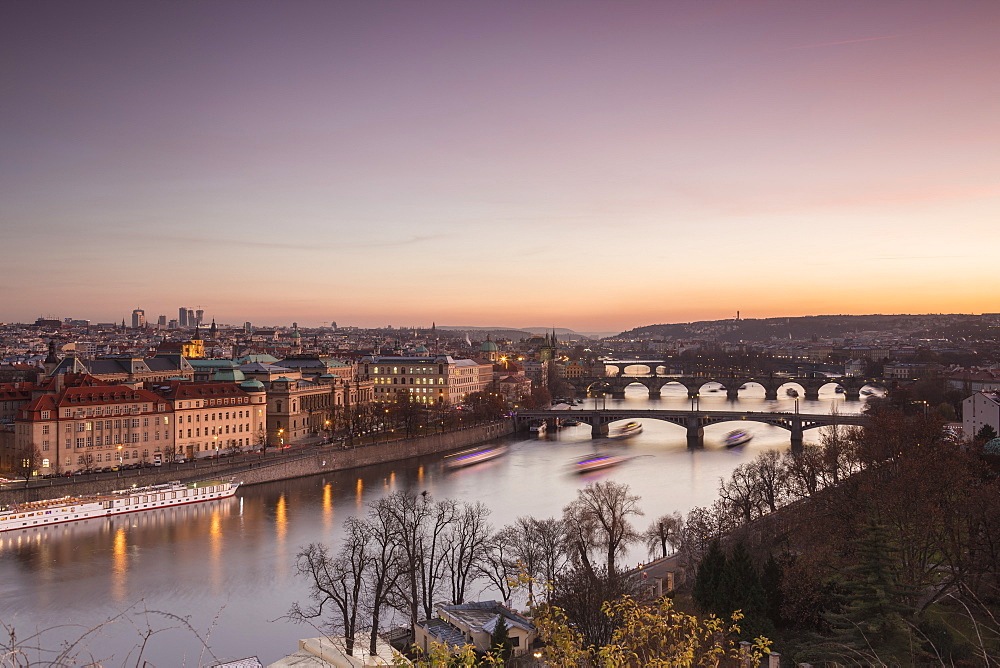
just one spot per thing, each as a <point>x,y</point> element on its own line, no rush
<point>596,166</point>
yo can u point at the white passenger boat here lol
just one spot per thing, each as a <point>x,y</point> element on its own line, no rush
<point>74,508</point>
<point>737,437</point>
<point>538,427</point>
<point>595,462</point>
<point>626,430</point>
<point>473,456</point>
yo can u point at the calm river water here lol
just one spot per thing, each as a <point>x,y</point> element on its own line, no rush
<point>228,566</point>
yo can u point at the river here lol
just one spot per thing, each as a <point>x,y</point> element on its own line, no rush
<point>226,568</point>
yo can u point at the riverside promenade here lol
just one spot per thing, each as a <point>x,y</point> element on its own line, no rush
<point>297,461</point>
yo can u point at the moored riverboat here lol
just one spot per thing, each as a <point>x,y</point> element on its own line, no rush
<point>473,456</point>
<point>538,427</point>
<point>74,508</point>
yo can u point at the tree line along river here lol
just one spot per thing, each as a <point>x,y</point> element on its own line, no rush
<point>228,566</point>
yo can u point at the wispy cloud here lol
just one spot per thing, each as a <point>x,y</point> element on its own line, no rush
<point>235,242</point>
<point>846,41</point>
<point>918,257</point>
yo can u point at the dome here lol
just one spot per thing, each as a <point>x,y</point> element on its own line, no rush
<point>992,447</point>
<point>252,385</point>
<point>488,346</point>
<point>229,375</point>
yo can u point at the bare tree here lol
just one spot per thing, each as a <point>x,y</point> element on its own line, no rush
<point>664,531</point>
<point>420,526</point>
<point>26,462</point>
<point>741,495</point>
<point>599,520</point>
<point>336,582</point>
<point>805,471</point>
<point>769,473</point>
<point>467,540</point>
<point>381,534</point>
<point>526,551</point>
<point>498,565</point>
<point>549,535</point>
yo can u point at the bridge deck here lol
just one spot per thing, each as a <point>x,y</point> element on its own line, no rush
<point>623,413</point>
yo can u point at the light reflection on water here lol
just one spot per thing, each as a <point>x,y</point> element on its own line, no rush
<point>228,564</point>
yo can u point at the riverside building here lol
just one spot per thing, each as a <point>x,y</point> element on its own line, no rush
<point>429,380</point>
<point>92,424</point>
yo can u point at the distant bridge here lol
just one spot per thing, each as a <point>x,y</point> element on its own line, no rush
<point>654,382</point>
<point>695,421</point>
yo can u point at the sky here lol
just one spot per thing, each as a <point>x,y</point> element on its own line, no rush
<point>591,165</point>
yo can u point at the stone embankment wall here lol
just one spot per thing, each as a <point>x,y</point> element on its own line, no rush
<point>324,460</point>
<point>250,470</point>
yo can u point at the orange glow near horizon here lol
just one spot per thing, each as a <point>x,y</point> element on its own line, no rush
<point>790,159</point>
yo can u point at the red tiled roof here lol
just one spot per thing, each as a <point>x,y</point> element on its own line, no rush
<point>187,390</point>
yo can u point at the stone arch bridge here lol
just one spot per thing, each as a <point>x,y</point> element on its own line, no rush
<point>616,385</point>
<point>695,421</point>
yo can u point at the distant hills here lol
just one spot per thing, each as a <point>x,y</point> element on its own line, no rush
<point>517,333</point>
<point>824,326</point>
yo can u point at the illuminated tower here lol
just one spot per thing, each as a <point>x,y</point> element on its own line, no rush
<point>138,319</point>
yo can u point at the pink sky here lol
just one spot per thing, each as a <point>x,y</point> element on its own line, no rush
<point>591,165</point>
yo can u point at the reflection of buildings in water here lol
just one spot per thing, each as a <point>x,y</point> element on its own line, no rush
<point>328,506</point>
<point>78,542</point>
<point>119,565</point>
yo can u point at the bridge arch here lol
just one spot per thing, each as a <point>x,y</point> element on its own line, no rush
<point>794,385</point>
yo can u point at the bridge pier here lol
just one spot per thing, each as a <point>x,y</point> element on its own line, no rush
<point>796,431</point>
<point>618,394</point>
<point>692,394</point>
<point>654,394</point>
<point>695,434</point>
<point>771,393</point>
<point>732,393</point>
<point>812,394</point>
<point>598,430</point>
<point>852,395</point>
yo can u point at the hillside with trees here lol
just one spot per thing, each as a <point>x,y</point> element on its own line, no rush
<point>951,326</point>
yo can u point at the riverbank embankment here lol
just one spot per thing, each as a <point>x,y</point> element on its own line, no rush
<point>255,469</point>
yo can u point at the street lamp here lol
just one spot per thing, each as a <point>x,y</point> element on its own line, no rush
<point>281,437</point>
<point>119,456</point>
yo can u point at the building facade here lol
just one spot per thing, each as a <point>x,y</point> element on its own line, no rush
<point>429,380</point>
<point>93,425</point>
<point>212,419</point>
<point>980,410</point>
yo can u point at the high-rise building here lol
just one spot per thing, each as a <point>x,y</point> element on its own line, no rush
<point>161,322</point>
<point>199,317</point>
<point>182,316</point>
<point>191,321</point>
<point>138,319</point>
